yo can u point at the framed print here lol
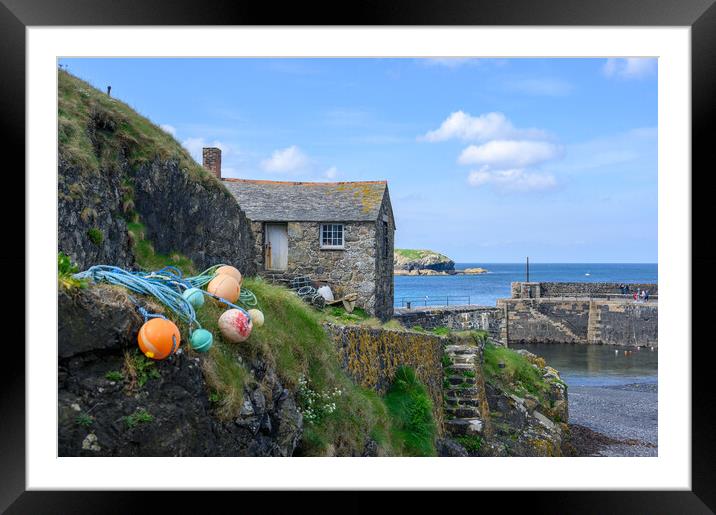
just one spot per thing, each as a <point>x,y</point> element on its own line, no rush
<point>423,251</point>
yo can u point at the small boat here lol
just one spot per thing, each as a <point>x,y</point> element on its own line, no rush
<point>587,273</point>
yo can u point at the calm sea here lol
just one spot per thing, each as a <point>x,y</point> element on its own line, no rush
<point>485,289</point>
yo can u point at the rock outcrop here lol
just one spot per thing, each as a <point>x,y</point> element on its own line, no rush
<point>163,408</point>
<point>408,260</point>
<point>528,425</point>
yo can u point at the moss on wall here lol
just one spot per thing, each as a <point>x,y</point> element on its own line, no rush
<point>371,356</point>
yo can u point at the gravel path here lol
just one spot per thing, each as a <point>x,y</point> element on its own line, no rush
<point>625,415</point>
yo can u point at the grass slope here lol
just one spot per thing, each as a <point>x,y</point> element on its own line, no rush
<point>419,254</point>
<point>95,131</point>
<point>293,341</point>
<point>518,375</point>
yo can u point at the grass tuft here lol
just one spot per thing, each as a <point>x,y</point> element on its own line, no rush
<point>411,413</point>
<point>138,369</point>
<point>141,416</point>
<point>95,235</point>
<point>518,374</point>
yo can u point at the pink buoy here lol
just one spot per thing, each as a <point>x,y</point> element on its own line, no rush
<point>235,325</point>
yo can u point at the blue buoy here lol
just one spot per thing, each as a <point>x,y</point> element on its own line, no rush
<point>201,340</point>
<point>194,296</point>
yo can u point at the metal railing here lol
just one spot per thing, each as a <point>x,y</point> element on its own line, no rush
<point>601,296</point>
<point>435,300</point>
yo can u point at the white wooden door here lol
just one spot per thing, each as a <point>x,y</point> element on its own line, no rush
<point>276,246</point>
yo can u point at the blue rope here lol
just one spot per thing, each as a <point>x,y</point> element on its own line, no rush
<point>164,285</point>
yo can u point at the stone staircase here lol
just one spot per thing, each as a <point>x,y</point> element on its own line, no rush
<point>465,400</point>
<point>594,326</point>
<point>560,326</point>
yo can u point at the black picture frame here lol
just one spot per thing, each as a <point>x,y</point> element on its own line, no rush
<point>700,15</point>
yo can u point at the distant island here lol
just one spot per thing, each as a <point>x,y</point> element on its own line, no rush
<point>427,262</point>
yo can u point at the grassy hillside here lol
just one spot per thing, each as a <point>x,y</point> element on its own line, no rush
<point>414,254</point>
<point>90,121</point>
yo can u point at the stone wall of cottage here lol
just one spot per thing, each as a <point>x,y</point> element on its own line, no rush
<point>352,269</point>
<point>385,232</point>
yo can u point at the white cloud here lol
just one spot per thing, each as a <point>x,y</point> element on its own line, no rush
<point>509,153</point>
<point>512,180</point>
<point>545,86</point>
<point>506,155</point>
<point>630,67</point>
<point>289,159</point>
<point>463,126</point>
<point>195,146</point>
<point>331,173</point>
<point>169,128</point>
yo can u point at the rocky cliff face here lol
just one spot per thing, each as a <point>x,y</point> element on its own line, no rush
<point>90,228</point>
<point>107,408</point>
<point>199,220</point>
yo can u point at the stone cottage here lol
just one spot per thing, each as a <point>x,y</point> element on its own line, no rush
<point>340,233</point>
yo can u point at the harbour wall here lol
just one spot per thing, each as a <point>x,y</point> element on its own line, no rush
<point>536,290</point>
<point>456,318</point>
<point>587,313</point>
<point>588,321</point>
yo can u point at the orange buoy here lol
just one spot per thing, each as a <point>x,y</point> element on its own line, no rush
<point>230,270</point>
<point>159,338</point>
<point>226,287</point>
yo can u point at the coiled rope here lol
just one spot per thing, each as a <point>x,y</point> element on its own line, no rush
<point>165,285</point>
<point>160,285</point>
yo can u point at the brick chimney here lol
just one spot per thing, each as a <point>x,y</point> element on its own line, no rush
<point>212,160</point>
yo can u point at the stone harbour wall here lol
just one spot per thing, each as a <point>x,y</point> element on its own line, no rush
<point>628,323</point>
<point>456,318</point>
<point>521,290</point>
<point>551,320</point>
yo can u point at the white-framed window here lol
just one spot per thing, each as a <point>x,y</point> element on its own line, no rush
<point>332,236</point>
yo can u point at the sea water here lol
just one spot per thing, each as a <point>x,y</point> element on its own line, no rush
<point>485,289</point>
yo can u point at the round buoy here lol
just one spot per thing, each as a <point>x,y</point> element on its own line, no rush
<point>159,338</point>
<point>235,325</point>
<point>230,270</point>
<point>194,296</point>
<point>257,318</point>
<point>201,340</point>
<point>226,287</point>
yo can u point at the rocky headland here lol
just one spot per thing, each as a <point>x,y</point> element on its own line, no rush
<point>427,262</point>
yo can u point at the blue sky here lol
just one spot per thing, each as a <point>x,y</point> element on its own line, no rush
<point>488,160</point>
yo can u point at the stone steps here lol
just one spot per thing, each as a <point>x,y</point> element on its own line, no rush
<point>594,326</point>
<point>561,327</point>
<point>457,412</point>
<point>462,401</point>
<point>464,426</point>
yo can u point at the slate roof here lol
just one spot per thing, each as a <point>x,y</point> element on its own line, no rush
<point>279,201</point>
